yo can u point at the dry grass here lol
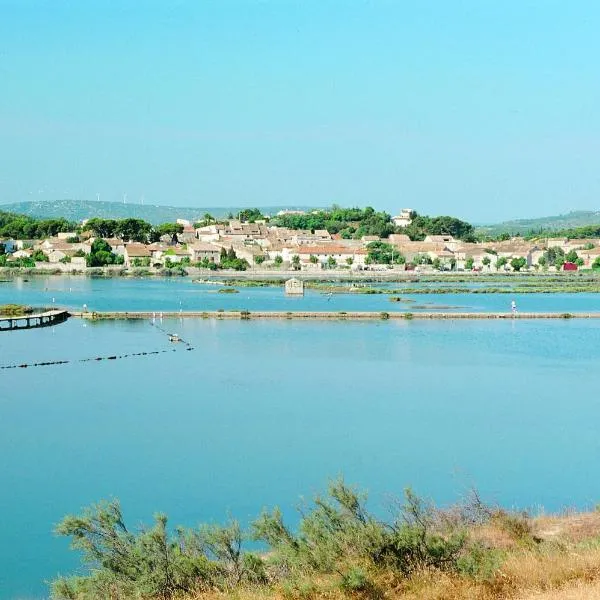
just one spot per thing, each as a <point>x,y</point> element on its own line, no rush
<point>571,527</point>
<point>575,591</point>
<point>552,571</point>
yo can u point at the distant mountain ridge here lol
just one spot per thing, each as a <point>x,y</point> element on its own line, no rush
<point>576,218</point>
<point>78,210</point>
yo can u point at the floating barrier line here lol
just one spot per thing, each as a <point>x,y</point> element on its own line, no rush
<point>179,340</point>
<point>83,360</point>
<point>48,363</point>
<point>92,359</point>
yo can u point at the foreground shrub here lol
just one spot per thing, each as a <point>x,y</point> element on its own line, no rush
<point>151,562</point>
<point>336,536</point>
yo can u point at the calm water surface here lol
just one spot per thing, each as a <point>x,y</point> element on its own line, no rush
<point>260,413</point>
<point>172,294</point>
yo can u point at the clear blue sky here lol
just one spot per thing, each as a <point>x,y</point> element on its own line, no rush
<point>483,109</point>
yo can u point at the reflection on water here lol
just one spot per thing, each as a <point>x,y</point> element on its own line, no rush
<point>173,294</point>
<point>260,413</point>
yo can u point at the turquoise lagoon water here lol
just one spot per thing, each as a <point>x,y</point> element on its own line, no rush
<point>172,294</point>
<point>260,413</point>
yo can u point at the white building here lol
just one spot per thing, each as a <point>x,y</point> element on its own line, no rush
<point>404,219</point>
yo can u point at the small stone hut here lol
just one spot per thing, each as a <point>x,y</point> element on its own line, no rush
<point>294,287</point>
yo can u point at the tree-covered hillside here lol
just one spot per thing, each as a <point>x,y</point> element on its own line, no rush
<point>579,218</point>
<point>78,210</point>
<point>357,222</point>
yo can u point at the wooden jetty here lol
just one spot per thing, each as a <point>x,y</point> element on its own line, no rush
<point>333,315</point>
<point>30,321</point>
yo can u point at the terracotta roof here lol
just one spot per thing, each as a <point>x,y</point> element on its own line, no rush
<point>205,247</point>
<point>137,250</point>
<point>396,238</point>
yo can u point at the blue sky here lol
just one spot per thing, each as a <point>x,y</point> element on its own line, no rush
<point>483,109</point>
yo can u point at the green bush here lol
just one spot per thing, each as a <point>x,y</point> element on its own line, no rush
<point>336,535</point>
<point>15,310</point>
<point>479,562</point>
<point>355,580</point>
<point>152,562</point>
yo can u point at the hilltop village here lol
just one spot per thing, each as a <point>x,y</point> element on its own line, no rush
<point>255,242</point>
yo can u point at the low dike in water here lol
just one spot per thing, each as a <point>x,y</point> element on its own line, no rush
<point>329,315</point>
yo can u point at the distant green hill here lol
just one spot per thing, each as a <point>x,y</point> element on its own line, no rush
<point>577,218</point>
<point>77,210</point>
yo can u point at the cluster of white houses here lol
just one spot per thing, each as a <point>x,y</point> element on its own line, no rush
<point>261,244</point>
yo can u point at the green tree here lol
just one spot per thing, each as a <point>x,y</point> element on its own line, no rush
<point>100,245</point>
<point>331,262</point>
<point>133,230</point>
<point>104,228</point>
<point>518,263</point>
<point>351,222</point>
<point>170,229</point>
<point>278,260</point>
<point>39,256</point>
<point>101,255</point>
<point>313,259</point>
<point>422,226</point>
<point>571,256</point>
<point>422,259</point>
<point>250,215</point>
<point>230,260</point>
<point>296,262</point>
<point>469,263</point>
<point>485,261</point>
<point>555,256</point>
<point>501,262</point>
<point>382,253</point>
